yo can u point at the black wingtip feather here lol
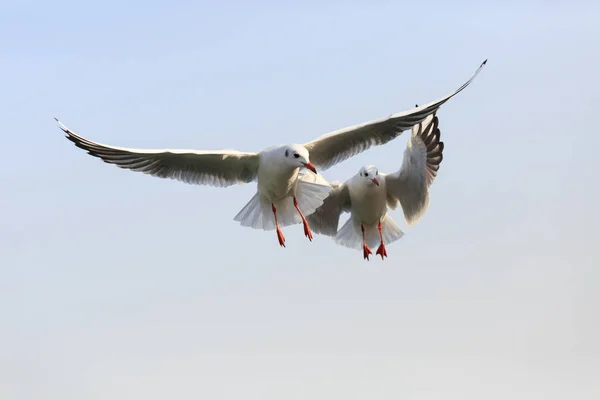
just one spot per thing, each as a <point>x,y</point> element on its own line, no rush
<point>434,154</point>
<point>430,136</point>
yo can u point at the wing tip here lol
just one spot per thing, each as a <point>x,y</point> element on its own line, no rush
<point>61,125</point>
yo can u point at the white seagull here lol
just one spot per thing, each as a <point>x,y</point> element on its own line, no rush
<point>368,195</point>
<point>284,197</point>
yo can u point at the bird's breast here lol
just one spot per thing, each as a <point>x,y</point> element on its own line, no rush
<point>369,205</point>
<point>276,183</point>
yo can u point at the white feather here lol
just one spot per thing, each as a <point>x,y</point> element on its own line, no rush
<point>258,212</point>
<point>350,234</point>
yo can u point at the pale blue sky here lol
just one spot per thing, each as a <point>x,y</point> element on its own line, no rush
<point>117,285</point>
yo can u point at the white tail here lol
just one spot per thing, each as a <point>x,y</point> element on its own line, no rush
<point>350,235</point>
<point>258,213</point>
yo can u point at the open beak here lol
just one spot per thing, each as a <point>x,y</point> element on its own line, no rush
<point>375,181</point>
<point>310,166</point>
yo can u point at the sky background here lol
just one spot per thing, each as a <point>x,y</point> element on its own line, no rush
<point>116,285</point>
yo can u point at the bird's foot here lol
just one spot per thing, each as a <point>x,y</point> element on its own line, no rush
<point>280,237</point>
<point>381,251</point>
<point>366,251</point>
<point>307,231</point>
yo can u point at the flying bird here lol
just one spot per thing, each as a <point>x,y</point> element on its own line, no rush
<point>368,195</point>
<point>284,195</point>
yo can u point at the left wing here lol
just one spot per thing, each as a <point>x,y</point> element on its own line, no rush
<point>410,185</point>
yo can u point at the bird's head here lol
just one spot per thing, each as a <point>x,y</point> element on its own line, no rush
<point>370,175</point>
<point>296,156</point>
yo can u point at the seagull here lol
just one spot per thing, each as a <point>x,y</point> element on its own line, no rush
<point>284,195</point>
<point>368,195</point>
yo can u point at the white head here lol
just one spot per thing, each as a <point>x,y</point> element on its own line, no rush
<point>369,174</point>
<point>296,156</point>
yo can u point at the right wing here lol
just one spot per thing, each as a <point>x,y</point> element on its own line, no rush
<point>215,168</point>
<point>340,145</point>
<point>326,218</point>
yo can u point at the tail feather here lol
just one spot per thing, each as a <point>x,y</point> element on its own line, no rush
<point>390,230</point>
<point>250,215</point>
<point>311,195</point>
<point>258,212</point>
<point>350,234</point>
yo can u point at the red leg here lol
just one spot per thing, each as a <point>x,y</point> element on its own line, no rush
<point>307,231</point>
<point>381,250</point>
<point>366,249</point>
<point>280,236</point>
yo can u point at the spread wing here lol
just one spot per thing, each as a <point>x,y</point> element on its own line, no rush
<point>326,218</point>
<point>340,145</point>
<point>410,185</point>
<point>215,168</point>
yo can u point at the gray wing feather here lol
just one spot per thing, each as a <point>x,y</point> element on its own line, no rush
<point>326,218</point>
<point>422,158</point>
<point>215,168</point>
<point>340,145</point>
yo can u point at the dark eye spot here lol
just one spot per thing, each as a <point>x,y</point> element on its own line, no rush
<point>287,153</point>
<point>366,174</point>
<point>297,155</point>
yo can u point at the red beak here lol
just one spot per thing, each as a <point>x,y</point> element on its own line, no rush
<point>311,167</point>
<point>375,181</point>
